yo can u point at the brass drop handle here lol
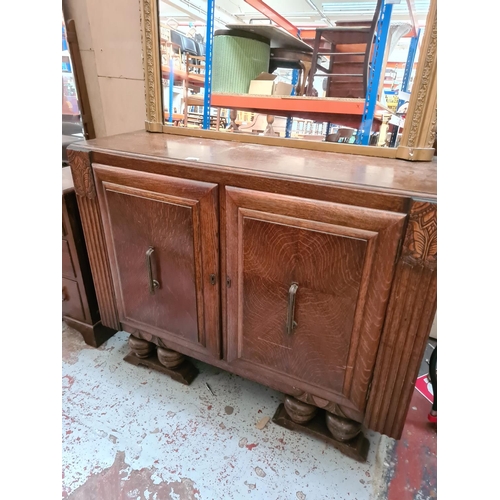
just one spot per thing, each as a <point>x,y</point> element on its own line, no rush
<point>153,284</point>
<point>290,322</point>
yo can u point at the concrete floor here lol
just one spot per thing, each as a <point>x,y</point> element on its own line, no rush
<point>132,433</point>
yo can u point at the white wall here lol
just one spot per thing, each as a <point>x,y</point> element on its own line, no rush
<point>109,36</point>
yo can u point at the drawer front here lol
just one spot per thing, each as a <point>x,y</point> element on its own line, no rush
<point>311,286</point>
<point>68,269</point>
<point>72,305</point>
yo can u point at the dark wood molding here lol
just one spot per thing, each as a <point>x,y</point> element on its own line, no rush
<point>94,236</point>
<point>409,317</point>
<point>420,245</point>
<point>82,173</point>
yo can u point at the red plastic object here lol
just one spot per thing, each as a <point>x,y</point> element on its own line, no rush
<point>432,418</point>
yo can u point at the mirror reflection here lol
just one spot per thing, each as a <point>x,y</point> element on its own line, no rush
<point>336,71</point>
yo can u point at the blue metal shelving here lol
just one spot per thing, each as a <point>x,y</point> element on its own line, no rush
<point>380,42</point>
<point>208,63</point>
<point>289,120</point>
<point>410,60</point>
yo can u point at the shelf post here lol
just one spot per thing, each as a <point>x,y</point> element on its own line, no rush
<point>410,60</point>
<point>384,21</point>
<point>208,63</point>
<point>171,91</point>
<point>412,52</point>
<point>289,120</point>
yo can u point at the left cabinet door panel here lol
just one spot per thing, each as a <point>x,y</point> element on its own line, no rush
<point>162,235</point>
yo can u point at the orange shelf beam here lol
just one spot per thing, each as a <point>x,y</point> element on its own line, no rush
<point>197,80</point>
<point>295,104</point>
<point>346,112</point>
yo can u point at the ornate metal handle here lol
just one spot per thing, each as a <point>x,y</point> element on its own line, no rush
<point>290,322</point>
<point>153,284</point>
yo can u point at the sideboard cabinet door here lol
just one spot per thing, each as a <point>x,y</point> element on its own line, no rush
<point>163,244</point>
<point>310,282</point>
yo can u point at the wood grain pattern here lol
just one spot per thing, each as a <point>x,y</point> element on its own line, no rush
<point>377,175</point>
<point>326,299</point>
<point>315,188</point>
<point>94,238</point>
<point>342,257</point>
<point>179,220</point>
<point>411,310</point>
<point>331,222</point>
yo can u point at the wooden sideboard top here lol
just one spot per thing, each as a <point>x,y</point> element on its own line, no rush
<point>378,174</point>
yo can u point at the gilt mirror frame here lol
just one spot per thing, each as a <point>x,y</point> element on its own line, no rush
<point>419,134</point>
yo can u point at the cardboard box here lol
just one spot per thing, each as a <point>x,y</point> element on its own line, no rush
<point>265,84</point>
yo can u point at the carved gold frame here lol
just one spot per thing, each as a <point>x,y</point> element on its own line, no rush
<point>420,129</point>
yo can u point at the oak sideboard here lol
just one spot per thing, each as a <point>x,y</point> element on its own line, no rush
<point>312,273</point>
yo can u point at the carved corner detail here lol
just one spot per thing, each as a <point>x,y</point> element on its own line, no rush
<point>420,246</point>
<point>82,173</point>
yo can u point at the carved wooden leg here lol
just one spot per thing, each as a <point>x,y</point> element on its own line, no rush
<point>141,348</point>
<point>298,411</point>
<point>342,429</point>
<point>269,129</point>
<point>171,363</point>
<point>321,424</point>
<point>170,359</point>
<point>233,114</point>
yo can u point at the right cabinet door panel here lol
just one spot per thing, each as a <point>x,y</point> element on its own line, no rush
<point>309,286</point>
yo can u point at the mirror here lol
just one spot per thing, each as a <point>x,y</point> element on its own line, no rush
<point>345,76</point>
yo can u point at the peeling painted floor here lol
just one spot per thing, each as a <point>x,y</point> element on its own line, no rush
<point>132,433</point>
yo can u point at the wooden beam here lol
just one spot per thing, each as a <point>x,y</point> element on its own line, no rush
<point>271,14</point>
<point>413,16</point>
<point>81,86</point>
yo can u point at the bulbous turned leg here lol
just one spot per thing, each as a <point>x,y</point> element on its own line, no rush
<point>298,411</point>
<point>170,359</point>
<point>269,129</point>
<point>342,429</point>
<point>233,115</point>
<point>141,348</point>
<point>340,432</point>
